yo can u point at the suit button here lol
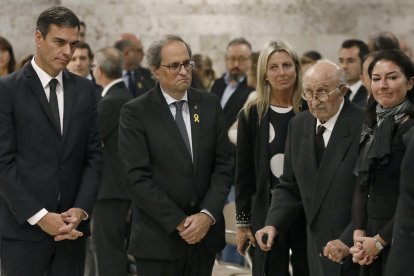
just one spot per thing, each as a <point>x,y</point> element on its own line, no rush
<point>192,203</point>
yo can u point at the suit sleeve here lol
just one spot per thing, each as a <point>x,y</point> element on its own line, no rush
<point>222,175</point>
<point>286,199</point>
<point>136,159</point>
<point>245,170</point>
<point>92,167</point>
<point>13,189</point>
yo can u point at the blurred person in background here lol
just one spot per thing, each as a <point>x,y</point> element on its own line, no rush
<point>7,60</point>
<point>204,72</point>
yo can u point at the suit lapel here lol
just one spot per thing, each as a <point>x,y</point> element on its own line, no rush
<point>69,94</point>
<point>309,165</point>
<point>196,115</point>
<point>39,92</point>
<point>165,116</point>
<point>337,147</point>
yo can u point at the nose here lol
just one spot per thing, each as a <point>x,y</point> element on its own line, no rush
<point>66,50</point>
<point>384,83</point>
<point>314,102</point>
<point>183,71</point>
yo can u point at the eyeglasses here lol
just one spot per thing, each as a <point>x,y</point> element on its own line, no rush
<point>175,67</point>
<point>321,96</point>
<point>237,59</point>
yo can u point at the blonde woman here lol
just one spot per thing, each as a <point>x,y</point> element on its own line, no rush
<point>261,139</point>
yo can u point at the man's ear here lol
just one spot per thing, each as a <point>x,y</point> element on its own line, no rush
<point>154,72</point>
<point>343,89</point>
<point>38,37</point>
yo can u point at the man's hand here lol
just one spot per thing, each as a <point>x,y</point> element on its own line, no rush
<point>336,250</point>
<point>51,223</point>
<point>72,218</point>
<point>243,234</point>
<point>196,227</point>
<point>369,246</point>
<point>271,234</point>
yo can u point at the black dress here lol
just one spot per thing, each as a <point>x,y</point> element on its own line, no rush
<point>260,156</point>
<point>374,204</point>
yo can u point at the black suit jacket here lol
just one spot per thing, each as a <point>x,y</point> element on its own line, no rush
<point>400,260</point>
<point>39,167</point>
<point>361,97</point>
<point>235,102</point>
<point>113,184</point>
<point>143,80</point>
<point>166,184</point>
<point>324,193</point>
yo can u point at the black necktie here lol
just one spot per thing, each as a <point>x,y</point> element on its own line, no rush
<point>53,102</point>
<point>180,123</point>
<point>131,84</point>
<point>319,143</point>
<point>348,93</point>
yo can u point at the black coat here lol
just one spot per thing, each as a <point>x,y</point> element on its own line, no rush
<point>324,193</point>
<point>39,167</point>
<point>166,184</point>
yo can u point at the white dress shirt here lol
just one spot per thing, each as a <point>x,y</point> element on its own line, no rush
<point>329,125</point>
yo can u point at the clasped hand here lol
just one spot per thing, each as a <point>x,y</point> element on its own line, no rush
<point>364,251</point>
<point>195,227</point>
<point>62,226</point>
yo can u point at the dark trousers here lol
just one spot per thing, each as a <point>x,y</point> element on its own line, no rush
<point>110,233</point>
<point>196,260</point>
<point>40,258</point>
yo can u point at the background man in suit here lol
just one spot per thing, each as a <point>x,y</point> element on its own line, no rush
<point>112,207</point>
<point>320,179</point>
<point>350,59</point>
<point>231,88</point>
<point>137,78</point>
<point>81,64</point>
<point>177,164</point>
<point>50,158</point>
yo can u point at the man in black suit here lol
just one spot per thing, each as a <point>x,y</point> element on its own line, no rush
<point>112,207</point>
<point>232,89</point>
<point>137,78</point>
<point>177,164</point>
<point>350,59</point>
<point>50,158</point>
<point>320,179</point>
<point>400,260</point>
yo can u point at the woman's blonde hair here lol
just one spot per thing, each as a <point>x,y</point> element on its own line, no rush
<point>262,101</point>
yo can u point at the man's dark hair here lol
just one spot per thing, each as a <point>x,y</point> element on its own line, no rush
<point>123,44</point>
<point>84,45</point>
<point>384,41</point>
<point>238,41</point>
<point>59,16</point>
<point>361,45</point>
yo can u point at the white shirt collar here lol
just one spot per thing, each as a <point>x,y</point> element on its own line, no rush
<point>44,77</point>
<point>329,125</point>
<point>109,86</point>
<point>354,88</point>
<point>171,100</point>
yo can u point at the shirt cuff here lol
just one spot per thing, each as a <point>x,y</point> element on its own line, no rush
<point>86,215</point>
<point>205,211</point>
<point>33,220</point>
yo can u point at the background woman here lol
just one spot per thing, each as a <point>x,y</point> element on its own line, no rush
<point>261,139</point>
<point>7,61</point>
<point>389,118</point>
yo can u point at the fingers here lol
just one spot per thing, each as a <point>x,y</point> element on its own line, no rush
<point>270,236</point>
<point>72,235</point>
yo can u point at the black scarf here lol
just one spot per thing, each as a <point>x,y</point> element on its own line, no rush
<point>376,141</point>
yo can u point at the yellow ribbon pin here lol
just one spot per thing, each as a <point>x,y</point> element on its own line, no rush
<point>196,118</point>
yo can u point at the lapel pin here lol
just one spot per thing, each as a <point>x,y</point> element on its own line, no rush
<point>196,118</point>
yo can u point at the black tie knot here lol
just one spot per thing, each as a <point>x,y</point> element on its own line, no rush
<point>320,130</point>
<point>179,105</point>
<point>52,84</point>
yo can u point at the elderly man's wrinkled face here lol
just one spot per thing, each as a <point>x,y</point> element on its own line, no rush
<point>327,91</point>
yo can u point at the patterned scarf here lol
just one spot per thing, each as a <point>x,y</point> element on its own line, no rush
<point>376,141</point>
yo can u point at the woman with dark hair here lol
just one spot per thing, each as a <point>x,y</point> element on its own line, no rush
<point>389,118</point>
<point>7,60</point>
<point>261,137</point>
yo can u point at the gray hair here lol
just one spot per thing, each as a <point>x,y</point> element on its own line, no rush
<point>111,62</point>
<point>122,44</point>
<point>154,50</point>
<point>239,41</point>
